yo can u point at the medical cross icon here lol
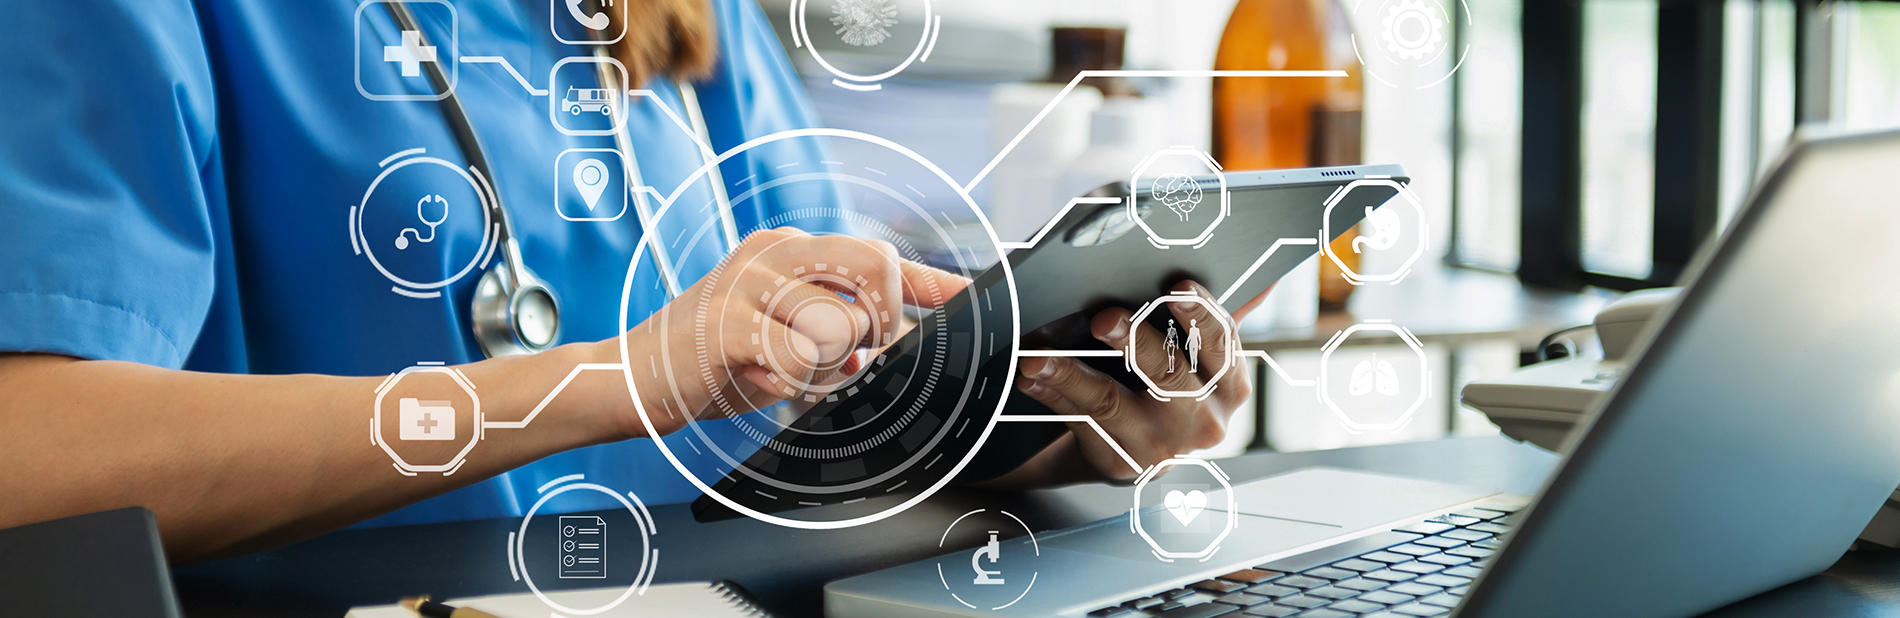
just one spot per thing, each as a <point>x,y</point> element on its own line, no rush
<point>411,54</point>
<point>418,421</point>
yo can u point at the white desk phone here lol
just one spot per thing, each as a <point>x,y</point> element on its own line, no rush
<point>1541,403</point>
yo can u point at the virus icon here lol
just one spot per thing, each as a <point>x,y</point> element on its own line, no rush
<point>864,22</point>
<point>1412,30</point>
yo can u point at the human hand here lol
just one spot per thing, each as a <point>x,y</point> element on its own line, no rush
<point>1149,430</point>
<point>782,318</point>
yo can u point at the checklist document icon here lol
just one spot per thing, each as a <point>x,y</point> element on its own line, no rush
<point>583,547</point>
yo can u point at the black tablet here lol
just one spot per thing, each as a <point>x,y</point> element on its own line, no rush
<point>1236,234</point>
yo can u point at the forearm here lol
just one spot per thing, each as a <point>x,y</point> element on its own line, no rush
<point>231,463</point>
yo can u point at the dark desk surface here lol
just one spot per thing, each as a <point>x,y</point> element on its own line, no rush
<point>787,568</point>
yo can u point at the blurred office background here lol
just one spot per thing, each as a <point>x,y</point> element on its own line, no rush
<point>1579,148</point>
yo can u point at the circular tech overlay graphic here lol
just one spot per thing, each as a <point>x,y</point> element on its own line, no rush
<point>591,537</point>
<point>999,572</point>
<point>1410,43</point>
<point>867,40</point>
<point>424,223</point>
<point>864,438</point>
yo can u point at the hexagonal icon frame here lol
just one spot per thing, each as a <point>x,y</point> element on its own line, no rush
<point>1227,325</point>
<point>1134,195</point>
<point>376,420</point>
<point>1233,509</point>
<point>1424,370</point>
<point>1326,231</point>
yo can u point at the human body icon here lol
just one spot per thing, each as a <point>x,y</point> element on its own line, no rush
<point>402,238</point>
<point>1194,346</point>
<point>1171,347</point>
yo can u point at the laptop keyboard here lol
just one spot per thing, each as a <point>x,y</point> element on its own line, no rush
<point>1412,571</point>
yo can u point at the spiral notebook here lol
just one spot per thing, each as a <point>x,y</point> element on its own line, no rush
<point>710,599</point>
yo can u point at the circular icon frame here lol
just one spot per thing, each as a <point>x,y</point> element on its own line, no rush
<point>1034,545</point>
<point>649,556</point>
<point>801,37</point>
<point>491,232</point>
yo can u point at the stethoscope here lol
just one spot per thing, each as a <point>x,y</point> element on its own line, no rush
<point>514,311</point>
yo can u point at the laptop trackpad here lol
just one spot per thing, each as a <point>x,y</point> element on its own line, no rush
<point>1351,499</point>
<point>1253,536</point>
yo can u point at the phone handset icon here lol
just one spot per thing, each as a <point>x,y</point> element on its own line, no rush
<point>597,21</point>
<point>422,207</point>
<point>1385,230</point>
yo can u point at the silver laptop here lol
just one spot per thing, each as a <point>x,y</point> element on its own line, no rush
<point>1753,440</point>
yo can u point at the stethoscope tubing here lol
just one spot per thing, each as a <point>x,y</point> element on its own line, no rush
<point>471,146</point>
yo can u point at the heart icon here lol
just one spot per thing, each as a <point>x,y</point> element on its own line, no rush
<point>1185,506</point>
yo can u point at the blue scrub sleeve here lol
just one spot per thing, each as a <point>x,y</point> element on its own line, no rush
<point>107,137</point>
<point>755,92</point>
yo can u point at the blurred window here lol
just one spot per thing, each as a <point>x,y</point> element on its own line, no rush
<point>1619,136</point>
<point>1490,132</point>
<point>1757,95</point>
<point>1866,65</point>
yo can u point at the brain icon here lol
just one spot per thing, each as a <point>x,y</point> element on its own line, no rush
<point>1178,192</point>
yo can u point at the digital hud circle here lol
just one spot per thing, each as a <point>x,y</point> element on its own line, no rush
<point>1410,43</point>
<point>424,223</point>
<point>591,542</point>
<point>863,42</point>
<point>862,432</point>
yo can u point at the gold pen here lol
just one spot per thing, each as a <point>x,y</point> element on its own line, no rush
<point>426,608</point>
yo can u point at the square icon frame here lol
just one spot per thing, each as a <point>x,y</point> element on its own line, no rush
<point>555,11</point>
<point>454,53</point>
<point>559,178</point>
<point>555,93</point>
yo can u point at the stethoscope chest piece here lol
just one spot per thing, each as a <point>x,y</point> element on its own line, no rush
<point>514,312</point>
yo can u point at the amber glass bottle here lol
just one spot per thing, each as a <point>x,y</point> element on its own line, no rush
<point>1281,122</point>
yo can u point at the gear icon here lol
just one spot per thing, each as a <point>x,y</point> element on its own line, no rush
<point>1412,29</point>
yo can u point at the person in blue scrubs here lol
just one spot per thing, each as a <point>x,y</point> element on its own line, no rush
<point>184,324</point>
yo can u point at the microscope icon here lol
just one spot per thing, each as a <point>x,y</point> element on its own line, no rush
<point>992,552</point>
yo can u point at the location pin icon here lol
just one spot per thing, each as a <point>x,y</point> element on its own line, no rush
<point>590,176</point>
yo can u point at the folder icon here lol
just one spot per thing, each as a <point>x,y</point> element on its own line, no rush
<point>426,420</point>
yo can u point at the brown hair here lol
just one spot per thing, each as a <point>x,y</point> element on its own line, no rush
<point>676,38</point>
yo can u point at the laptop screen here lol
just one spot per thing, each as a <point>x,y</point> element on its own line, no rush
<point>1758,433</point>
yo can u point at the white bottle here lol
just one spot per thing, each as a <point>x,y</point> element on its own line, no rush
<point>1023,186</point>
<point>1122,133</point>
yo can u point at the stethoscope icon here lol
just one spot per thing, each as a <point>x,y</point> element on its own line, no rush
<point>402,239</point>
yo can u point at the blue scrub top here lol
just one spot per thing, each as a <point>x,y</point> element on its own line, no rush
<point>177,178</point>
